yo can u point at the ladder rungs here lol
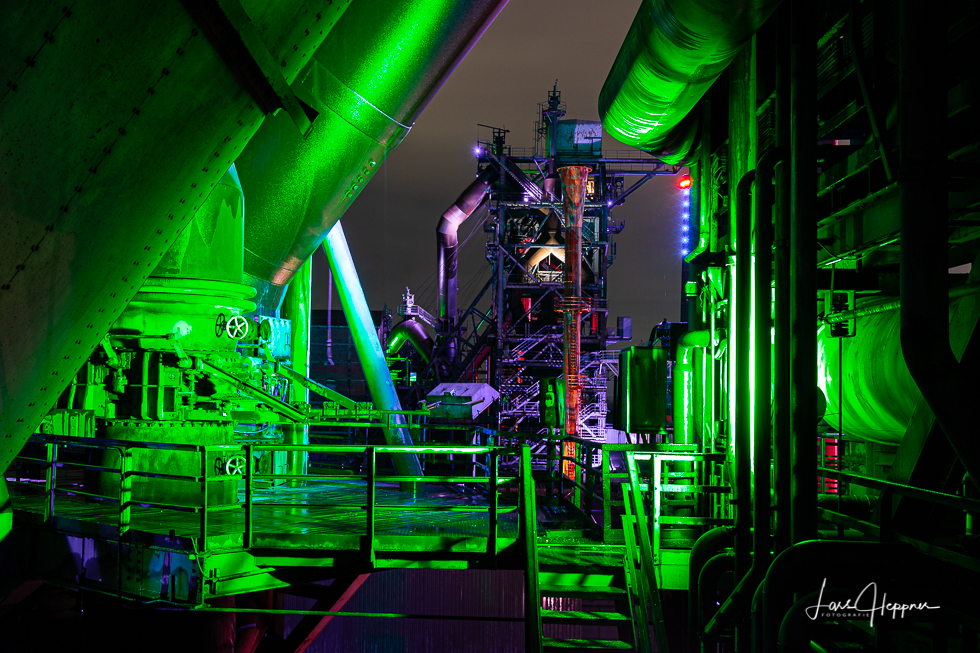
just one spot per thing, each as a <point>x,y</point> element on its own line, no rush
<point>582,591</point>
<point>586,644</point>
<point>579,616</point>
<point>718,489</point>
<point>696,521</point>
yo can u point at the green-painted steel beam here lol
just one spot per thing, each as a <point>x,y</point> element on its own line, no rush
<point>369,351</point>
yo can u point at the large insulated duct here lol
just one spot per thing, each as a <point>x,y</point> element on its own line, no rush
<point>673,53</point>
<point>369,81</point>
<point>369,352</point>
<point>865,378</point>
<point>447,249</point>
<point>121,121</point>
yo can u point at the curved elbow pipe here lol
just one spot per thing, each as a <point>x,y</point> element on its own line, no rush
<point>671,56</point>
<point>411,331</point>
<point>709,581</point>
<point>682,381</point>
<point>705,547</point>
<point>803,566</point>
<point>447,247</point>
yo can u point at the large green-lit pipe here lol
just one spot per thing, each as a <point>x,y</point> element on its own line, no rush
<point>369,352</point>
<point>297,307</point>
<point>673,53</point>
<point>865,378</point>
<point>369,81</point>
<point>683,375</point>
<point>742,420</point>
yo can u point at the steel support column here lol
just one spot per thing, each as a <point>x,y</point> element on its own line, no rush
<point>803,288</point>
<point>297,307</point>
<point>781,350</point>
<point>369,351</point>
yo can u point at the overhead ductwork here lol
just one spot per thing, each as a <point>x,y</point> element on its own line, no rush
<point>673,53</point>
<point>369,81</point>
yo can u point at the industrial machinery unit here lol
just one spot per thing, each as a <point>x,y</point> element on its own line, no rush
<point>515,335</point>
<point>184,468</point>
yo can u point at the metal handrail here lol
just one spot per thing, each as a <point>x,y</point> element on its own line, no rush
<point>949,500</point>
<point>533,628</point>
<point>641,627</point>
<point>647,562</point>
<point>372,478</point>
<point>126,475</point>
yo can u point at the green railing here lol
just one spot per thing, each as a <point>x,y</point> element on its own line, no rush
<point>242,458</point>
<point>638,527</point>
<point>492,479</point>
<point>124,500</point>
<point>590,484</point>
<point>533,627</point>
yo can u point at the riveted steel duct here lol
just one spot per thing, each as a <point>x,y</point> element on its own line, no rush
<point>447,246</point>
<point>369,81</point>
<point>673,53</point>
<point>410,330</point>
<point>112,83</point>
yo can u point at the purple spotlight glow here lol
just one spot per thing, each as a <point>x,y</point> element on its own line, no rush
<point>477,150</point>
<point>684,252</point>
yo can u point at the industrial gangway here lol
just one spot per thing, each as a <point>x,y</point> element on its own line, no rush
<point>593,535</point>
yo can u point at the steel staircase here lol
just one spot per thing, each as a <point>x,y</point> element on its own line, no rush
<point>593,575</point>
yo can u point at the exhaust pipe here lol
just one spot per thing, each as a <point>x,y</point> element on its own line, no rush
<point>447,250</point>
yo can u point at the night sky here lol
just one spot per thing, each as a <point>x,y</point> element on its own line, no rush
<point>391,226</point>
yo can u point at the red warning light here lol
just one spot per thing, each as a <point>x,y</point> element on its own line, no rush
<point>684,182</point>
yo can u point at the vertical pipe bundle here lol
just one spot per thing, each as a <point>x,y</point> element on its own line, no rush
<point>573,180</point>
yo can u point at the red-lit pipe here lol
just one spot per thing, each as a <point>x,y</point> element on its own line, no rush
<point>573,180</point>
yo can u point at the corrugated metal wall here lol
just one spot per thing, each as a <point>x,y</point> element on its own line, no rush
<point>483,593</point>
